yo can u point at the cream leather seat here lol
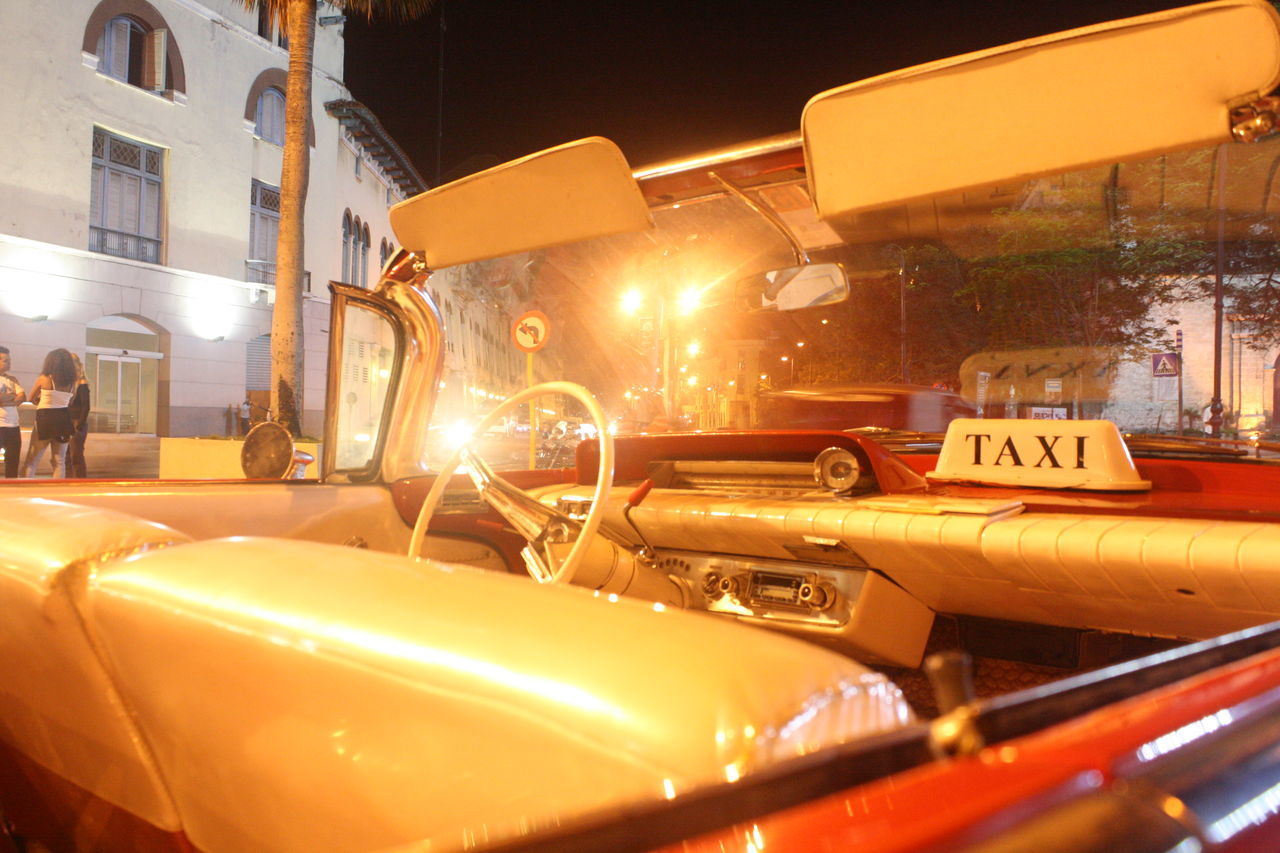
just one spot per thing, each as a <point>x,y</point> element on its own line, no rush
<point>306,697</point>
<point>70,749</point>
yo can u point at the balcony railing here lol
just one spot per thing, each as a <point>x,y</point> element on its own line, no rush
<point>264,272</point>
<point>124,245</point>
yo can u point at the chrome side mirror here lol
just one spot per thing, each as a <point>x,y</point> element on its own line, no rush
<point>269,454</point>
<point>794,288</point>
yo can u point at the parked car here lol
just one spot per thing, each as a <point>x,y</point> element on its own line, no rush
<point>895,407</point>
<point>1049,633</point>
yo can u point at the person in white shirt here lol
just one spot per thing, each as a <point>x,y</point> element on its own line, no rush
<point>12,395</point>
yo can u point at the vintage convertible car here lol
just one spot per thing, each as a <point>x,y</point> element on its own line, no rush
<point>1041,629</point>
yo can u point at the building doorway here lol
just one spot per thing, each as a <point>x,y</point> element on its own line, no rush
<point>118,382</point>
<point>122,365</point>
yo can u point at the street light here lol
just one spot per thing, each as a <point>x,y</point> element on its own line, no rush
<point>688,300</point>
<point>664,304</point>
<point>631,301</point>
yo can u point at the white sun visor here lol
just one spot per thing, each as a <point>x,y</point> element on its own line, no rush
<point>1102,94</point>
<point>572,192</point>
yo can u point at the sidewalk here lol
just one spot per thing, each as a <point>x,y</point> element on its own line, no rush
<point>112,456</point>
<point>108,455</point>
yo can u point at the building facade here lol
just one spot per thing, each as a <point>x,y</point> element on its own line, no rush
<point>139,213</point>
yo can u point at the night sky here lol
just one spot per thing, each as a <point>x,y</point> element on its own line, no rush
<point>661,78</point>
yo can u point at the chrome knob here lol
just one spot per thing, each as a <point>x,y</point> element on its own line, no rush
<point>819,596</point>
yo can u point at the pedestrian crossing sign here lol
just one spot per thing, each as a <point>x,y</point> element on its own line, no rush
<point>1164,364</point>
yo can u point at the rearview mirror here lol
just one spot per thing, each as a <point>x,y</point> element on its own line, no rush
<point>794,288</point>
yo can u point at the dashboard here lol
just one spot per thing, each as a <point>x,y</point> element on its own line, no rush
<point>852,549</point>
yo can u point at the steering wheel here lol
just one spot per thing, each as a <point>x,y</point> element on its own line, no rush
<point>543,527</point>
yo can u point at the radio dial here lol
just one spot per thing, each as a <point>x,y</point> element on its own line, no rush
<point>730,586</point>
<point>819,596</point>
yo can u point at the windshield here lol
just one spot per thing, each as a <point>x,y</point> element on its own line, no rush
<point>1088,294</point>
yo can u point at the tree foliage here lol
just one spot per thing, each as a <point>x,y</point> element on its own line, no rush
<point>1075,263</point>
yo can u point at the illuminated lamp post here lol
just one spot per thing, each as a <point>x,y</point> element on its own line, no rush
<point>684,303</point>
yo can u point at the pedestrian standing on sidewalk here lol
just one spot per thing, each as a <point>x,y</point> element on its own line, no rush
<point>79,408</point>
<point>12,395</point>
<point>51,393</point>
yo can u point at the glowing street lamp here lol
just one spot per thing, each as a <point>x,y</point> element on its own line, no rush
<point>631,301</point>
<point>666,304</point>
<point>689,300</point>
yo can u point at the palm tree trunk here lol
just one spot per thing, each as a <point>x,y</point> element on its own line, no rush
<point>286,319</point>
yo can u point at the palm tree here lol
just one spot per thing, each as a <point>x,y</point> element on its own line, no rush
<point>297,18</point>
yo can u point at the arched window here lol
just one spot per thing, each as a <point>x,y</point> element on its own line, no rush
<point>353,242</point>
<point>134,44</point>
<point>346,247</point>
<point>269,121</point>
<point>133,53</point>
<point>270,78</point>
<point>384,252</point>
<point>364,257</point>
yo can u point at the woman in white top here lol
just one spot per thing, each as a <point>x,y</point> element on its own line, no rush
<point>51,393</point>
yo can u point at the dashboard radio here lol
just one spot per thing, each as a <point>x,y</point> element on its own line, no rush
<point>767,589</point>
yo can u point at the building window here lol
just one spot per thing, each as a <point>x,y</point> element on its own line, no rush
<point>125,197</point>
<point>264,228</point>
<point>269,122</point>
<point>267,27</point>
<point>364,256</point>
<point>134,54</point>
<point>355,251</point>
<point>346,247</point>
<point>353,274</point>
<point>384,252</point>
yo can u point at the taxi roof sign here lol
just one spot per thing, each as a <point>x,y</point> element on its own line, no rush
<point>1045,454</point>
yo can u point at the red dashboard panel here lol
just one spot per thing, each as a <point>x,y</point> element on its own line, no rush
<point>635,452</point>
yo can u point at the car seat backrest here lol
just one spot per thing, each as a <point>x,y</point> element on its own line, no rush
<point>66,738</point>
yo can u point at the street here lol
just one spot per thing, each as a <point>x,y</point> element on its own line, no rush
<point>113,456</point>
